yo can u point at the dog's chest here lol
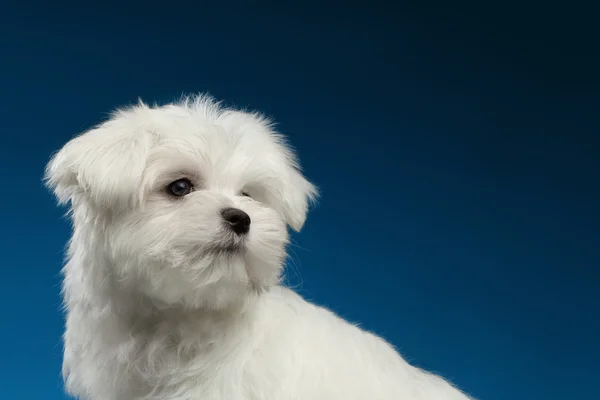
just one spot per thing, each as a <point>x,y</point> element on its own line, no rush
<point>177,373</point>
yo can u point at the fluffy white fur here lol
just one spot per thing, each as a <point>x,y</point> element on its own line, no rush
<point>159,306</point>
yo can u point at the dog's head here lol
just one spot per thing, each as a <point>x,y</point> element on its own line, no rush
<point>188,203</point>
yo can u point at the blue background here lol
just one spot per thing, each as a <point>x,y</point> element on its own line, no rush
<point>457,151</point>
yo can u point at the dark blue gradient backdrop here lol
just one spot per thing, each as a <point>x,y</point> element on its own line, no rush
<point>456,148</point>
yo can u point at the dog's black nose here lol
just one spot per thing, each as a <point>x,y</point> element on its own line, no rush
<point>238,220</point>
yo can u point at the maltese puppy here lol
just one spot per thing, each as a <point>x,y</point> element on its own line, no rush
<point>172,282</point>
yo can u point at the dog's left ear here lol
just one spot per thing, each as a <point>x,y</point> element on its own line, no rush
<point>297,196</point>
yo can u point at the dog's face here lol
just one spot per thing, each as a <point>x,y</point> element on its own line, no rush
<point>188,203</point>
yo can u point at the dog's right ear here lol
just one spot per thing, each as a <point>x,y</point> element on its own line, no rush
<point>104,165</point>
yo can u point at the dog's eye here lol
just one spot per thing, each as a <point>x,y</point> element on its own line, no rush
<point>245,194</point>
<point>180,187</point>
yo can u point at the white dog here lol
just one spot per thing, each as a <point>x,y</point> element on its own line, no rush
<point>172,291</point>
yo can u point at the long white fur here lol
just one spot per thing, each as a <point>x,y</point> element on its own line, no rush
<point>154,314</point>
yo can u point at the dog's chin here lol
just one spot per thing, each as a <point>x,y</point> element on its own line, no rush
<point>216,278</point>
<point>221,294</point>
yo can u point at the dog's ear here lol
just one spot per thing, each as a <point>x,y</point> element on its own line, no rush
<point>298,194</point>
<point>104,164</point>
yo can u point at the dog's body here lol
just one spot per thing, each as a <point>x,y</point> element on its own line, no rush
<point>172,282</point>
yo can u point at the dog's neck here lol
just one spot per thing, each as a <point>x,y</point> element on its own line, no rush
<point>135,343</point>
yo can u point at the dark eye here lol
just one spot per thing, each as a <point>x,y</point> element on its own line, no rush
<point>180,187</point>
<point>245,194</point>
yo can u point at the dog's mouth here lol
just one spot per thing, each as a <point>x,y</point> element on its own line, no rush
<point>227,246</point>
